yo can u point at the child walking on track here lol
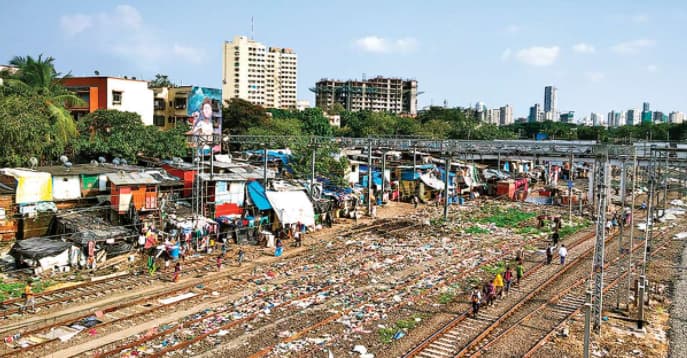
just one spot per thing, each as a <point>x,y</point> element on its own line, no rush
<point>177,272</point>
<point>519,272</point>
<point>508,278</point>
<point>476,300</point>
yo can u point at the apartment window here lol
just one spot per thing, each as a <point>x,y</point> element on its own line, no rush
<point>159,104</point>
<point>116,97</point>
<point>159,121</point>
<point>180,103</point>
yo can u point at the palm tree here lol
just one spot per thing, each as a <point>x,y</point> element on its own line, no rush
<point>38,76</point>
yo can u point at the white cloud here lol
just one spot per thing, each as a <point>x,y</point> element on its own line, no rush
<point>513,29</point>
<point>538,55</point>
<point>594,76</point>
<point>123,32</point>
<point>74,24</point>
<point>376,44</point>
<point>632,47</point>
<point>639,18</point>
<point>506,54</point>
<point>583,48</point>
<point>652,68</point>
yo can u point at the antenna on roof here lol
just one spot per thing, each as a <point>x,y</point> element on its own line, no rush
<point>33,162</point>
<point>252,32</point>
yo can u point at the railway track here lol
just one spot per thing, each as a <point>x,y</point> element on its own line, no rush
<point>461,334</point>
<point>147,306</point>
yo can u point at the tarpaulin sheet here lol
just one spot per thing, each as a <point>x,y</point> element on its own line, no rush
<point>229,192</point>
<point>32,187</point>
<point>39,247</point>
<point>292,207</point>
<point>257,193</point>
<point>433,182</point>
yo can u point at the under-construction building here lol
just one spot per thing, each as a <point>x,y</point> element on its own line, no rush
<point>393,95</point>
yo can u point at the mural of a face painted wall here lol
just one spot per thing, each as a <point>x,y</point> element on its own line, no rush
<point>205,111</point>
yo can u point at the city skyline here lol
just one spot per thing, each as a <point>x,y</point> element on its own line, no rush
<point>600,57</point>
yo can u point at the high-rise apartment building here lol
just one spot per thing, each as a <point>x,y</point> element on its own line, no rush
<point>596,119</point>
<point>632,117</point>
<point>551,103</point>
<point>535,113</point>
<point>568,117</point>
<point>383,94</point>
<point>659,117</point>
<point>506,115</point>
<point>676,117</point>
<point>494,116</point>
<point>261,75</point>
<point>647,116</point>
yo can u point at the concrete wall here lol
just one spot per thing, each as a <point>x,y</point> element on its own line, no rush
<point>136,97</point>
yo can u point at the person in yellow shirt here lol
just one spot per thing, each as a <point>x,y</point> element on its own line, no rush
<point>29,298</point>
<point>498,285</point>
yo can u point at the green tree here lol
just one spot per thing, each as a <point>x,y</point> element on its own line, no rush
<point>25,130</point>
<point>38,77</point>
<point>238,115</point>
<point>160,81</point>
<point>278,126</point>
<point>111,133</point>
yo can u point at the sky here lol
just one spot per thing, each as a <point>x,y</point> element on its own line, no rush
<point>601,55</point>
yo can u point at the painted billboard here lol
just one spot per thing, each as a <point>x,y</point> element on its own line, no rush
<point>205,114</point>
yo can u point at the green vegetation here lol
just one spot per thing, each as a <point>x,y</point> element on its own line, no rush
<point>570,230</point>
<point>14,290</point>
<point>386,334</point>
<point>476,230</point>
<point>508,218</point>
<point>495,268</point>
<point>446,298</point>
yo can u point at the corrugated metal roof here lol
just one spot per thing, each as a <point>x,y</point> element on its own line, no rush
<point>131,178</point>
<point>88,169</point>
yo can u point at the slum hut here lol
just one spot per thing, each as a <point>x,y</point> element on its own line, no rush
<point>186,172</point>
<point>291,206</point>
<point>8,224</point>
<point>171,187</point>
<point>33,200</point>
<point>352,175</point>
<point>133,190</point>
<point>423,182</point>
<point>81,181</point>
<point>83,226</point>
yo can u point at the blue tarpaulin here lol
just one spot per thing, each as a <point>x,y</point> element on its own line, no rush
<point>257,194</point>
<point>376,179</point>
<point>409,175</point>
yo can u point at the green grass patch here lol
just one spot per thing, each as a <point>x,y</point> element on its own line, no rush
<point>406,323</point>
<point>446,298</point>
<point>386,335</point>
<point>493,269</point>
<point>570,230</point>
<point>508,218</point>
<point>14,290</point>
<point>476,230</point>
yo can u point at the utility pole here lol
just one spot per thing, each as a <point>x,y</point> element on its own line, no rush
<point>312,178</point>
<point>630,276</point>
<point>619,291</point>
<point>447,169</point>
<point>383,174</point>
<point>643,281</point>
<point>602,176</point>
<point>264,176</point>
<point>369,177</point>
<point>587,321</point>
<point>570,186</point>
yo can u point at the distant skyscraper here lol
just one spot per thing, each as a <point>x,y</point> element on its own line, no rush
<point>261,75</point>
<point>551,102</point>
<point>659,117</point>
<point>568,117</point>
<point>506,115</point>
<point>535,113</point>
<point>494,116</point>
<point>610,119</point>
<point>647,116</point>
<point>676,117</point>
<point>632,117</point>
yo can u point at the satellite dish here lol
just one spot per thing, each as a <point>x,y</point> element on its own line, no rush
<point>68,165</point>
<point>102,160</point>
<point>123,161</point>
<point>94,162</point>
<point>33,162</point>
<point>115,161</point>
<point>64,159</point>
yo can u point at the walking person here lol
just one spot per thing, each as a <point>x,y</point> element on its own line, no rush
<point>240,256</point>
<point>219,263</point>
<point>177,272</point>
<point>476,300</point>
<point>555,237</point>
<point>29,298</point>
<point>563,252</point>
<point>279,248</point>
<point>489,294</point>
<point>498,285</point>
<point>297,237</point>
<point>508,278</point>
<point>519,272</point>
<point>549,255</point>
